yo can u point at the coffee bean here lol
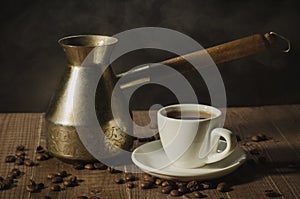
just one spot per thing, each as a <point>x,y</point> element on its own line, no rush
<point>89,166</point>
<point>129,177</point>
<point>31,188</point>
<point>46,197</point>
<point>167,189</point>
<point>29,163</point>
<point>40,186</point>
<point>16,171</point>
<point>10,158</point>
<point>40,157</point>
<point>207,185</point>
<point>273,194</point>
<point>47,155</point>
<point>112,170</point>
<point>73,179</point>
<point>146,185</point>
<point>82,197</point>
<point>175,193</point>
<point>146,175</point>
<point>222,187</point>
<point>151,179</point>
<point>183,189</point>
<point>20,147</point>
<point>130,185</point>
<point>69,183</point>
<point>262,136</point>
<point>255,138</point>
<point>180,184</point>
<point>78,166</point>
<point>158,181</point>
<point>62,174</point>
<point>168,183</point>
<point>19,161</point>
<point>12,175</point>
<point>198,194</point>
<point>40,149</point>
<point>118,180</point>
<point>55,187</point>
<point>57,179</point>
<point>100,166</point>
<point>20,153</point>
<point>51,175</point>
<point>194,186</point>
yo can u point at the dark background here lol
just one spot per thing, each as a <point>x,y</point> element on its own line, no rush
<point>32,63</point>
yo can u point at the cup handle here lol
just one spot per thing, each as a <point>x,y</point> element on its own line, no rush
<point>231,141</point>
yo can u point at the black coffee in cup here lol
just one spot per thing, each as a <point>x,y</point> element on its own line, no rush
<point>189,115</point>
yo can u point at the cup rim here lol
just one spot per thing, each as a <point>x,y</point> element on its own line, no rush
<point>217,113</point>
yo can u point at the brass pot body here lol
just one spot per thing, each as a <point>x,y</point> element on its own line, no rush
<point>61,125</point>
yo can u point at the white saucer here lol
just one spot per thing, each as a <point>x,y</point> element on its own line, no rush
<point>152,159</point>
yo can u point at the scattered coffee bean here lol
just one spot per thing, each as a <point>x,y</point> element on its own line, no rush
<point>78,166</point>
<point>89,166</point>
<point>168,183</point>
<point>47,155</point>
<point>118,180</point>
<point>167,189</point>
<point>40,186</point>
<point>259,137</point>
<point>150,178</point>
<point>175,193</point>
<point>57,179</point>
<point>146,175</point>
<point>51,175</point>
<point>62,174</point>
<point>180,184</point>
<point>130,185</point>
<point>146,185</point>
<point>71,181</point>
<point>11,175</point>
<point>129,177</point>
<point>29,163</point>
<point>40,157</point>
<point>207,185</point>
<point>100,166</point>
<point>222,187</point>
<point>82,197</point>
<point>112,170</point>
<point>31,188</point>
<point>20,153</point>
<point>55,187</point>
<point>198,194</point>
<point>10,158</point>
<point>40,149</point>
<point>46,197</point>
<point>194,185</point>
<point>183,189</point>
<point>19,161</point>
<point>273,194</point>
<point>20,147</point>
<point>158,181</point>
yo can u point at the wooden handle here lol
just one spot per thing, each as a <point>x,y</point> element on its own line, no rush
<point>225,52</point>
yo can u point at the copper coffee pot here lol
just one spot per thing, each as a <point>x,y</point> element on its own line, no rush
<point>62,137</point>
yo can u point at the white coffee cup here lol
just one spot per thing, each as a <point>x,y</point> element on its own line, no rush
<point>193,142</point>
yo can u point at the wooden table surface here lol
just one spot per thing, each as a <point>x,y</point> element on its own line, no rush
<point>280,172</point>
